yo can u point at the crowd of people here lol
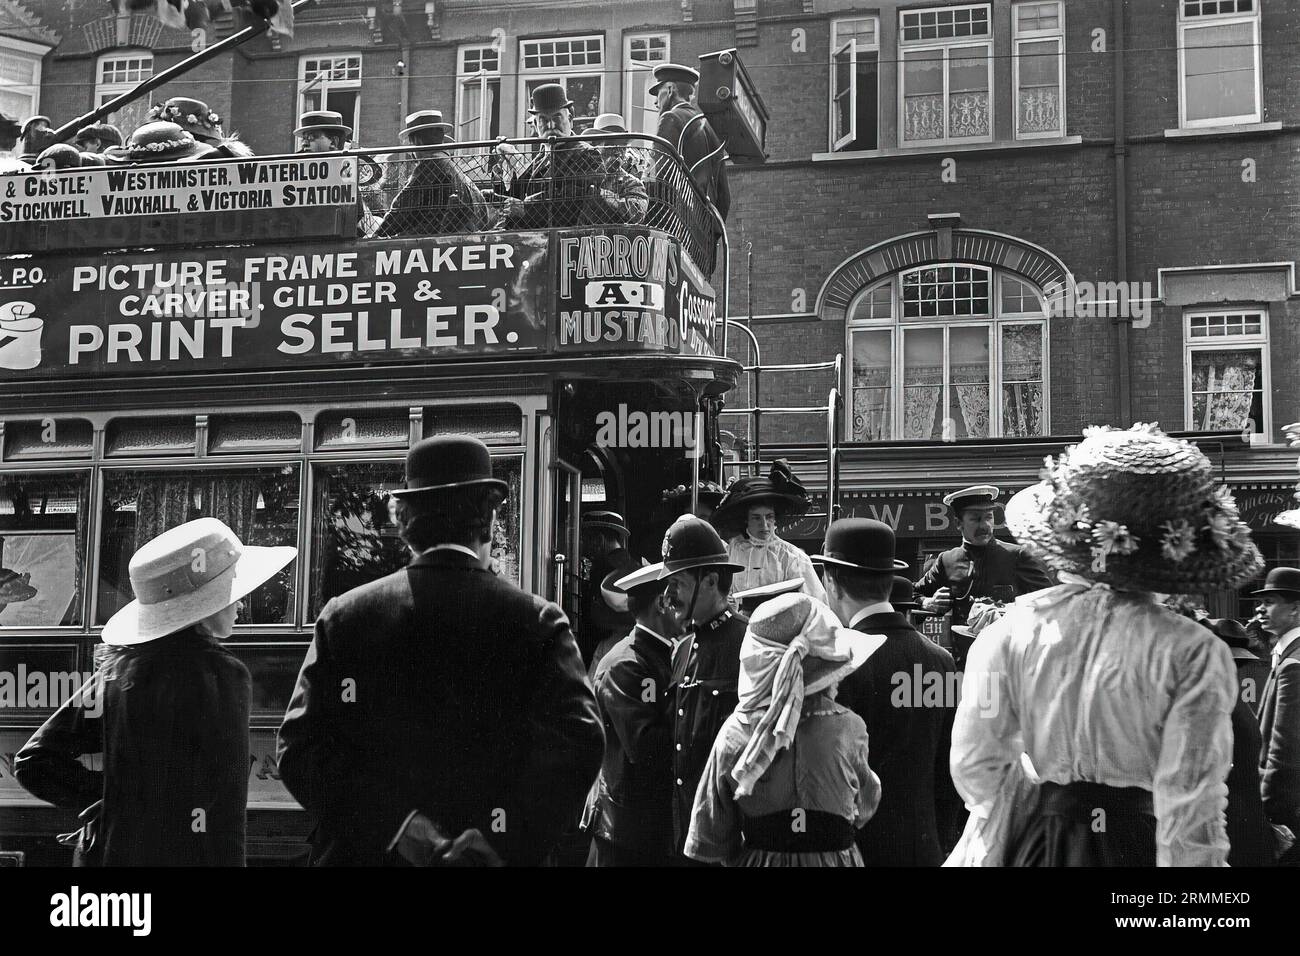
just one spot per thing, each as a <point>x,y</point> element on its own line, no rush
<point>443,716</point>
<point>595,178</point>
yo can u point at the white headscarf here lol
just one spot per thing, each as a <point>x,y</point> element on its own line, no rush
<point>774,678</point>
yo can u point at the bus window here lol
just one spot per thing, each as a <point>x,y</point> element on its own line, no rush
<point>242,434</point>
<point>152,436</point>
<point>490,424</point>
<point>373,427</point>
<point>259,504</point>
<point>42,548</point>
<point>355,537</point>
<point>48,438</point>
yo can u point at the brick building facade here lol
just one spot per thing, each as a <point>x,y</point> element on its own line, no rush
<point>935,172</point>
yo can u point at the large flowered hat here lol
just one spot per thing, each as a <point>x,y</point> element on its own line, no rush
<point>191,115</point>
<point>158,142</point>
<point>780,489</point>
<point>1136,509</point>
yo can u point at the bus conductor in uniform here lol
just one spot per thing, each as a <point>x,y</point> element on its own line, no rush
<point>981,567</point>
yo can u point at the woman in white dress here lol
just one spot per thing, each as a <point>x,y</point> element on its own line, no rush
<point>1121,707</point>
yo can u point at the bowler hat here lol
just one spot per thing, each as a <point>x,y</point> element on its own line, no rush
<point>672,73</point>
<point>322,121</point>
<point>425,119</point>
<point>187,574</point>
<point>549,98</point>
<point>59,156</point>
<point>628,578</point>
<point>860,543</point>
<point>976,496</point>
<point>692,542</point>
<point>1232,631</point>
<point>1284,581</point>
<point>32,121</point>
<point>903,598</point>
<point>608,520</point>
<point>446,462</point>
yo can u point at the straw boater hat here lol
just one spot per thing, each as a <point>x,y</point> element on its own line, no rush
<point>322,121</point>
<point>780,489</point>
<point>426,119</point>
<point>191,115</point>
<point>606,123</point>
<point>1136,509</point>
<point>159,142</point>
<point>691,542</point>
<point>187,574</point>
<point>447,462</point>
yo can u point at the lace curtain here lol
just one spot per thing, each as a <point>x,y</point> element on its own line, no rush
<point>1223,389</point>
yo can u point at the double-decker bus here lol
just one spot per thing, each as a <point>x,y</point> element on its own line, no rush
<point>234,339</point>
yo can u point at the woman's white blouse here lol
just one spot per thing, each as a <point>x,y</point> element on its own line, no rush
<point>1108,687</point>
<point>771,561</point>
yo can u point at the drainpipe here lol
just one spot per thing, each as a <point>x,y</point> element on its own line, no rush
<point>1123,363</point>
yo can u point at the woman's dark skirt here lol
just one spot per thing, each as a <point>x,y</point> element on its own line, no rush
<point>1088,824</point>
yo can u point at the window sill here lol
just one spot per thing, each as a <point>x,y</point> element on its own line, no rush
<point>1230,130</point>
<point>944,150</point>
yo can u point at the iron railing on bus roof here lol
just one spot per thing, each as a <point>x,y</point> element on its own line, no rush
<point>568,182</point>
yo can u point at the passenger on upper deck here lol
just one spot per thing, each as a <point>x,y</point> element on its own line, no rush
<point>621,196</point>
<point>203,124</point>
<point>322,131</point>
<point>438,198</point>
<point>98,137</point>
<point>554,189</point>
<point>36,135</point>
<point>683,124</point>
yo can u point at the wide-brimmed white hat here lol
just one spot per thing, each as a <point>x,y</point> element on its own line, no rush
<point>187,574</point>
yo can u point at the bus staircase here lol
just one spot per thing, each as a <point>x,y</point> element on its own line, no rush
<point>831,410</point>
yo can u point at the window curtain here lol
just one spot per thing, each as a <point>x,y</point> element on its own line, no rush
<point>974,403</point>
<point>1228,381</point>
<point>920,402</point>
<point>871,403</point>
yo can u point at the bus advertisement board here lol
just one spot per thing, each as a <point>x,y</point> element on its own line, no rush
<point>272,307</point>
<point>629,290</point>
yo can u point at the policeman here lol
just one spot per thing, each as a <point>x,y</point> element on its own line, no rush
<point>706,663</point>
<point>982,567</point>
<point>682,123</point>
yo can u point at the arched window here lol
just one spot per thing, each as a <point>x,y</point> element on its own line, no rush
<point>949,351</point>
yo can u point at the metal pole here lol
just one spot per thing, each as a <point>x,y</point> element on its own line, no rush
<point>166,76</point>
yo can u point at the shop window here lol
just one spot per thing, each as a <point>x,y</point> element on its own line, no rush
<point>242,434</point>
<point>48,438</point>
<point>115,74</point>
<point>855,83</point>
<point>363,428</point>
<point>1039,69</point>
<point>42,548</point>
<point>478,106</point>
<point>641,54</point>
<point>175,435</point>
<point>1227,372</point>
<point>948,352</point>
<point>490,424</point>
<point>1218,62</point>
<point>274,669</point>
<point>331,83</point>
<point>259,504</point>
<point>576,63</point>
<point>945,79</point>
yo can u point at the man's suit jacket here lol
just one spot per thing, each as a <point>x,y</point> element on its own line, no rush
<point>445,689</point>
<point>699,146</point>
<point>1279,731</point>
<point>564,179</point>
<point>909,734</point>
<point>996,563</point>
<point>437,200</point>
